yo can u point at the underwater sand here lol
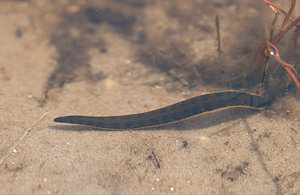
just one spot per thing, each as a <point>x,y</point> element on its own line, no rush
<point>128,56</point>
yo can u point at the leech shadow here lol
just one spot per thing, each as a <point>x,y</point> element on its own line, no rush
<point>198,122</point>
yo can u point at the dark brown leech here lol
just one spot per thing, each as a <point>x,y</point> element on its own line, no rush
<point>179,111</point>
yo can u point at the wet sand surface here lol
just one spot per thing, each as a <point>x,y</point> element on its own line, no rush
<point>119,57</point>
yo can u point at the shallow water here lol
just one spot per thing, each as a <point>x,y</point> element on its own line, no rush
<point>119,57</point>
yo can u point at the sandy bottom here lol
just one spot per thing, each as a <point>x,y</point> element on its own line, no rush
<point>122,57</point>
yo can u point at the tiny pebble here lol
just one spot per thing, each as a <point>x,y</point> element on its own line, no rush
<point>73,9</point>
<point>172,188</point>
<point>203,138</point>
<point>14,150</point>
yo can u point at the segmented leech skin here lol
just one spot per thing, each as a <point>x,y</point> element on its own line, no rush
<point>202,104</point>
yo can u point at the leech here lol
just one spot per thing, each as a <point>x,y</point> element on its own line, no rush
<point>203,104</point>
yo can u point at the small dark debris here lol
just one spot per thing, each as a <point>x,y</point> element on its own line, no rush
<point>154,160</point>
<point>223,174</point>
<point>184,144</point>
<point>103,50</point>
<point>275,179</point>
<point>246,164</point>
<point>234,174</point>
<point>240,169</point>
<point>230,179</point>
<point>19,33</point>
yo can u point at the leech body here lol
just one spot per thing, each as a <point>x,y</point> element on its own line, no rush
<point>176,112</point>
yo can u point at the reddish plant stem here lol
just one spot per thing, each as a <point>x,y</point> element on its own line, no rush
<point>276,38</point>
<point>279,9</point>
<point>285,65</point>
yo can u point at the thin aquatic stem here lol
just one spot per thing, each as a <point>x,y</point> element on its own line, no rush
<point>288,15</point>
<point>279,35</point>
